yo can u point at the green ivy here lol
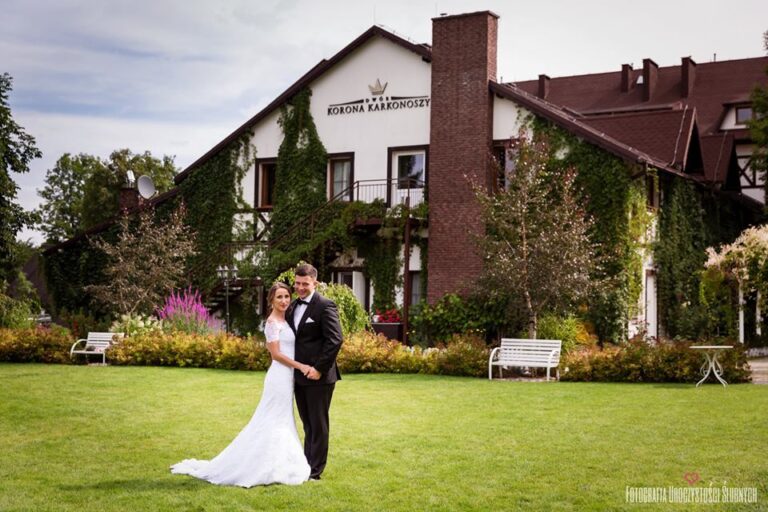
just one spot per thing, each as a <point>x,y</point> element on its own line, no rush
<point>213,196</point>
<point>617,203</point>
<point>300,180</point>
<point>680,255</point>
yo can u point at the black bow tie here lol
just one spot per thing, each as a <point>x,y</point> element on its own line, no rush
<point>302,301</point>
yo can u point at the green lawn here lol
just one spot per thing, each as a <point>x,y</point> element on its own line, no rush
<point>102,438</point>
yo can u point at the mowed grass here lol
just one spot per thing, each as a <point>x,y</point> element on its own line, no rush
<point>102,438</point>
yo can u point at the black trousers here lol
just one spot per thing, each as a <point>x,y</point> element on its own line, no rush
<point>314,403</point>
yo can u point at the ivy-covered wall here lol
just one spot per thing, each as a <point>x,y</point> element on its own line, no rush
<point>617,203</point>
<point>692,219</point>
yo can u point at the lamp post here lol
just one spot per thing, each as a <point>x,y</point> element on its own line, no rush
<point>227,274</point>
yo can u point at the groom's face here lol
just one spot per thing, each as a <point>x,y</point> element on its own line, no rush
<point>304,286</point>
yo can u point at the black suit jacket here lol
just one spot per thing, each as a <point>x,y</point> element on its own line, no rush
<point>317,341</point>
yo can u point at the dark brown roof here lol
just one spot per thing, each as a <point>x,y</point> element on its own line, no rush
<point>716,151</point>
<point>664,134</point>
<point>577,125</point>
<point>424,50</point>
<point>716,84</point>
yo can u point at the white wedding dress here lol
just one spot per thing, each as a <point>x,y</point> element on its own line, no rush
<point>267,450</point>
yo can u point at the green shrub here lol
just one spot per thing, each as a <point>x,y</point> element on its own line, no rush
<point>132,324</point>
<point>36,345</point>
<point>463,355</point>
<point>569,329</point>
<point>223,351</point>
<point>640,361</point>
<point>14,313</point>
<point>81,323</point>
<point>480,314</point>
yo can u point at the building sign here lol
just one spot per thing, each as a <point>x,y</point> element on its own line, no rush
<point>378,102</point>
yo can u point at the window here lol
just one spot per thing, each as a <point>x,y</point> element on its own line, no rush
<point>267,184</point>
<point>415,287</point>
<point>341,176</point>
<point>505,157</point>
<point>743,115</point>
<point>344,278</point>
<point>411,170</point>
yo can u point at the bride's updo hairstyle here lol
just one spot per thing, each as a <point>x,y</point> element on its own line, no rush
<point>273,291</point>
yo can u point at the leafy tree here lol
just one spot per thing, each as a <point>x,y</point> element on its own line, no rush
<point>61,212</point>
<point>17,149</point>
<point>758,126</point>
<point>145,263</point>
<point>536,248</point>
<point>82,191</point>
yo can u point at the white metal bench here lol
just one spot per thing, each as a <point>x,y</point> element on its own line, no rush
<point>525,353</point>
<point>96,343</point>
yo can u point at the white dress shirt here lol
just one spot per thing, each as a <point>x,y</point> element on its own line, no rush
<point>298,312</point>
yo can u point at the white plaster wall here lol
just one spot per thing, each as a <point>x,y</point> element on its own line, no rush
<point>507,118</point>
<point>729,120</point>
<point>367,134</point>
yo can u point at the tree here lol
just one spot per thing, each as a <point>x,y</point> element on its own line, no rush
<point>17,149</point>
<point>758,126</point>
<point>61,211</point>
<point>84,190</point>
<point>145,263</point>
<point>536,249</point>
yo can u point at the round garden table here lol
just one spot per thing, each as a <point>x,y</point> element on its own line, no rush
<point>712,365</point>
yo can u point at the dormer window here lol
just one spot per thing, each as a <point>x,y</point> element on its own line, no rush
<point>743,115</point>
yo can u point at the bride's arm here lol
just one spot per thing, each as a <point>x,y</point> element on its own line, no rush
<point>274,351</point>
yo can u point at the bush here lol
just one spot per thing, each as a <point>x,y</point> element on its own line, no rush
<point>132,324</point>
<point>81,323</point>
<point>480,314</point>
<point>223,351</point>
<point>36,345</point>
<point>569,329</point>
<point>463,355</point>
<point>184,311</point>
<point>640,361</point>
<point>14,313</point>
<point>365,352</point>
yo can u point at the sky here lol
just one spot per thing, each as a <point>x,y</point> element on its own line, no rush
<point>174,77</point>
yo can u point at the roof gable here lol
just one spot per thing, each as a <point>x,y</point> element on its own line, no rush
<point>423,50</point>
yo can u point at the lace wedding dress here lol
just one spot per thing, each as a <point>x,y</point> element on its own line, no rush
<point>268,449</point>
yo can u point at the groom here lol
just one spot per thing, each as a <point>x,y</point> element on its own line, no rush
<point>315,321</point>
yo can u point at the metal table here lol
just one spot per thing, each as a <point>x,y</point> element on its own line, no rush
<point>712,365</point>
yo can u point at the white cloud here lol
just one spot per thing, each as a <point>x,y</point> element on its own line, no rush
<point>177,76</point>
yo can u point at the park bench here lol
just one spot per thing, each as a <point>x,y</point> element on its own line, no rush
<point>525,353</point>
<point>96,343</point>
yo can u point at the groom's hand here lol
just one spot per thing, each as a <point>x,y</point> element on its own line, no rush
<point>313,374</point>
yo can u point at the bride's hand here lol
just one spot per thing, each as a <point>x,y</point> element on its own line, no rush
<point>305,368</point>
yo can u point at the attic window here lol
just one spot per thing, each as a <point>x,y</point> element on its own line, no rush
<point>743,115</point>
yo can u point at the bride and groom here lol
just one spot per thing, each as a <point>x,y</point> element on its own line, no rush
<point>303,338</point>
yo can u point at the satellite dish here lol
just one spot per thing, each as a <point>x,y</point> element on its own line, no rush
<point>146,187</point>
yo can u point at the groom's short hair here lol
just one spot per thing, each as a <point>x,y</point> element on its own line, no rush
<point>305,269</point>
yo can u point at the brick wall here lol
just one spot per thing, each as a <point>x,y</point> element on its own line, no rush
<point>463,60</point>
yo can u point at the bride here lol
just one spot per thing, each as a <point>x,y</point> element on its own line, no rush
<point>268,449</point>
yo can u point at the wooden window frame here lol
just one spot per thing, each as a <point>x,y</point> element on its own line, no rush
<point>261,183</point>
<point>334,157</point>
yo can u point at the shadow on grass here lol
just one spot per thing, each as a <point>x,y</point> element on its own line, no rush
<point>136,485</point>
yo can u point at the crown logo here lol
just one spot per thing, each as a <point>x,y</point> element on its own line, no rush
<point>377,89</point>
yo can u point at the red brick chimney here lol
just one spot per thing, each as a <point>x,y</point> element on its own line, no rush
<point>626,77</point>
<point>688,78</point>
<point>463,61</point>
<point>543,86</point>
<point>128,198</point>
<point>650,77</point>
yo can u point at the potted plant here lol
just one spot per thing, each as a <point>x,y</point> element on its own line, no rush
<point>389,323</point>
